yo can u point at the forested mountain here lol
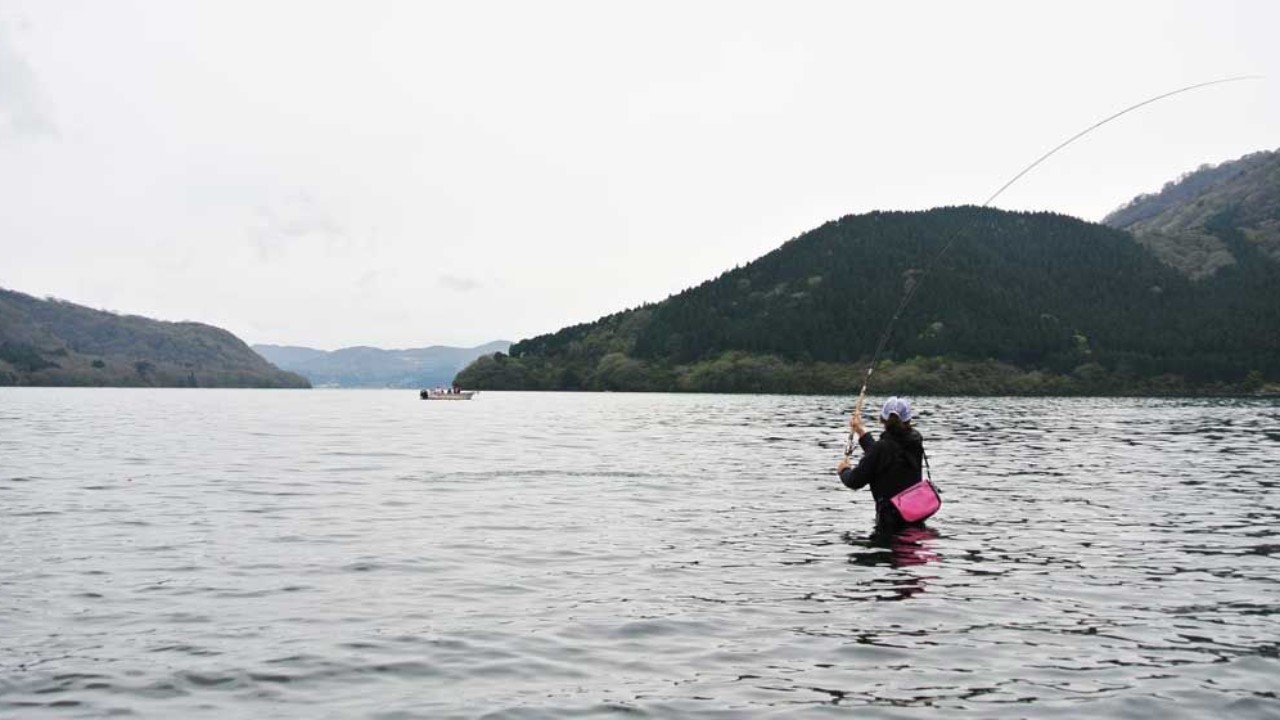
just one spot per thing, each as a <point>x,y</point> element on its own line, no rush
<point>375,367</point>
<point>1215,217</point>
<point>1019,303</point>
<point>53,342</point>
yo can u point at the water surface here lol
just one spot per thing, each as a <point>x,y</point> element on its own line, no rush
<point>218,553</point>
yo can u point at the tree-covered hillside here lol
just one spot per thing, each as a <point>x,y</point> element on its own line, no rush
<point>1184,223</point>
<point>1021,302</point>
<point>52,342</point>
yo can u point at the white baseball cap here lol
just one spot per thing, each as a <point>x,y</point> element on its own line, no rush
<point>896,406</point>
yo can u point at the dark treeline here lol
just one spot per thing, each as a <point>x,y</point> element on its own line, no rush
<point>1024,303</point>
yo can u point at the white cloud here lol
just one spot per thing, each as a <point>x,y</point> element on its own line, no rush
<point>296,223</point>
<point>459,284</point>
<point>24,109</point>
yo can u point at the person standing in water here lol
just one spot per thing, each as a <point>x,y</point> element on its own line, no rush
<point>889,465</point>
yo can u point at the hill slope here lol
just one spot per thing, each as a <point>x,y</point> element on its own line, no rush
<point>1191,223</point>
<point>1021,302</point>
<point>375,367</point>
<point>53,342</point>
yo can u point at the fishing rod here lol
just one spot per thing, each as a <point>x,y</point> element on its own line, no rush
<point>914,286</point>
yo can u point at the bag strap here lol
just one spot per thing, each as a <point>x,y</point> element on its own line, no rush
<point>929,476</point>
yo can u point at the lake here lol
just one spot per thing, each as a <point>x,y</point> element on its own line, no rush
<point>249,553</point>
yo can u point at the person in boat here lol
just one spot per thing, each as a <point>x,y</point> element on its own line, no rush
<point>889,465</point>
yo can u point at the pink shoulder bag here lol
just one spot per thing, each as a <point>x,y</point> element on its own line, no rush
<point>918,502</point>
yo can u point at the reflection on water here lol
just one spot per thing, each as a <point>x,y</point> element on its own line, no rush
<point>908,547</point>
<point>337,554</point>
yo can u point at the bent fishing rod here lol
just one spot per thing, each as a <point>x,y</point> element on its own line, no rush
<point>914,286</point>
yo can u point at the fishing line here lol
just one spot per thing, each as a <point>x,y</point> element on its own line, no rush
<point>914,285</point>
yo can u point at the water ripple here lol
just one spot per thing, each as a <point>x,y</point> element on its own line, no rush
<point>339,554</point>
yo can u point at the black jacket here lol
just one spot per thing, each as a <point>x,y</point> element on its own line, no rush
<point>890,465</point>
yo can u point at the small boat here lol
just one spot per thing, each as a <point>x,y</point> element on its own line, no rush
<point>446,394</point>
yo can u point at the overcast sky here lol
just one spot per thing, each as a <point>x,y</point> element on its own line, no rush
<point>403,174</point>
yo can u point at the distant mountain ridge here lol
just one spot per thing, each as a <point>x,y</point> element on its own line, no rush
<point>1022,303</point>
<point>1184,223</point>
<point>58,343</point>
<point>375,367</point>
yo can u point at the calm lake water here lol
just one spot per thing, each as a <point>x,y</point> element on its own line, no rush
<point>211,553</point>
